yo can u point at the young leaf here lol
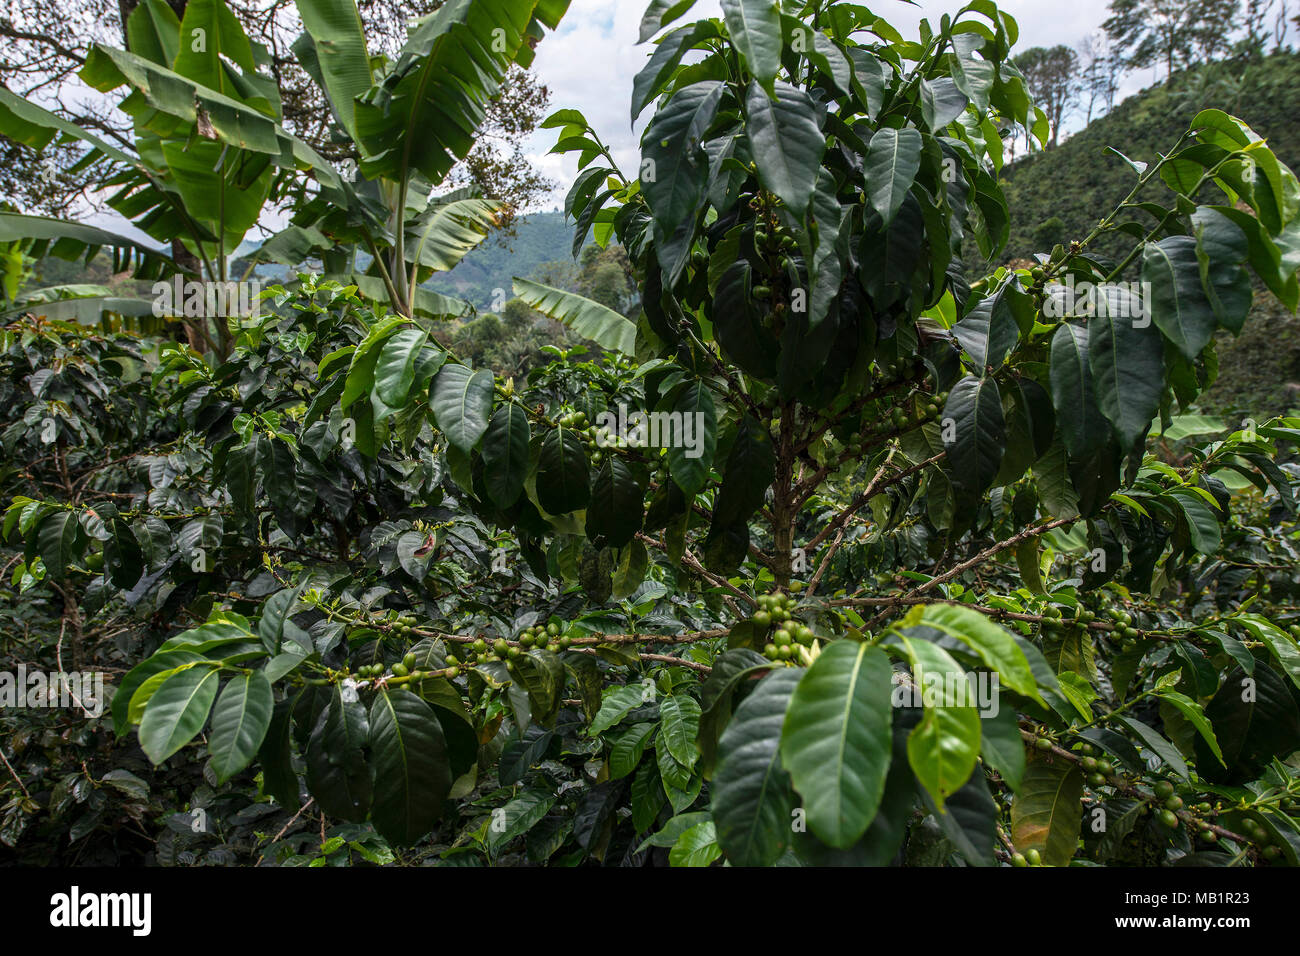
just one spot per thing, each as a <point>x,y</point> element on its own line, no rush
<point>679,725</point>
<point>943,748</point>
<point>239,723</point>
<point>177,711</point>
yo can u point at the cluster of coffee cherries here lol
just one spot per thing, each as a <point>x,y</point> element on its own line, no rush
<point>406,667</point>
<point>1259,834</point>
<point>902,419</point>
<point>1099,770</point>
<point>1167,816</point>
<point>549,636</point>
<point>1170,804</point>
<point>1054,620</point>
<point>1030,857</point>
<point>1123,621</point>
<point>591,437</point>
<point>786,635</point>
<point>400,624</point>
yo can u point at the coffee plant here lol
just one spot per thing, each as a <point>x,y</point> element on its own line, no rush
<point>833,554</point>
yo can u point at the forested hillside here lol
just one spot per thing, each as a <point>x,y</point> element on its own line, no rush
<point>1054,196</point>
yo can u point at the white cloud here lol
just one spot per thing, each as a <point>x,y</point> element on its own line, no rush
<point>588,64</point>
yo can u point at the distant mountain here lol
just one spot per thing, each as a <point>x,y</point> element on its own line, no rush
<point>538,239</point>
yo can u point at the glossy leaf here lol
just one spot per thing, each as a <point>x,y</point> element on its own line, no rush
<point>461,400</point>
<point>338,774</point>
<point>239,723</point>
<point>1127,362</point>
<point>563,483</point>
<point>1073,395</point>
<point>694,437</point>
<point>974,432</point>
<point>177,711</point>
<point>943,748</point>
<point>892,162</point>
<point>505,454</point>
<point>412,775</point>
<point>752,798</point>
<point>836,741</point>
<point>755,29</point>
<point>787,143</point>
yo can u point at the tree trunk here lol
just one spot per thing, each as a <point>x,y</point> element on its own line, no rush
<point>784,506</point>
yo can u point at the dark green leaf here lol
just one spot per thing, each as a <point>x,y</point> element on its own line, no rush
<point>505,454</point>
<point>461,400</point>
<point>412,776</point>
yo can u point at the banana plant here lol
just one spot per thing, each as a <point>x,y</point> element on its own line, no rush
<point>207,152</point>
<point>210,149</point>
<point>409,121</point>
